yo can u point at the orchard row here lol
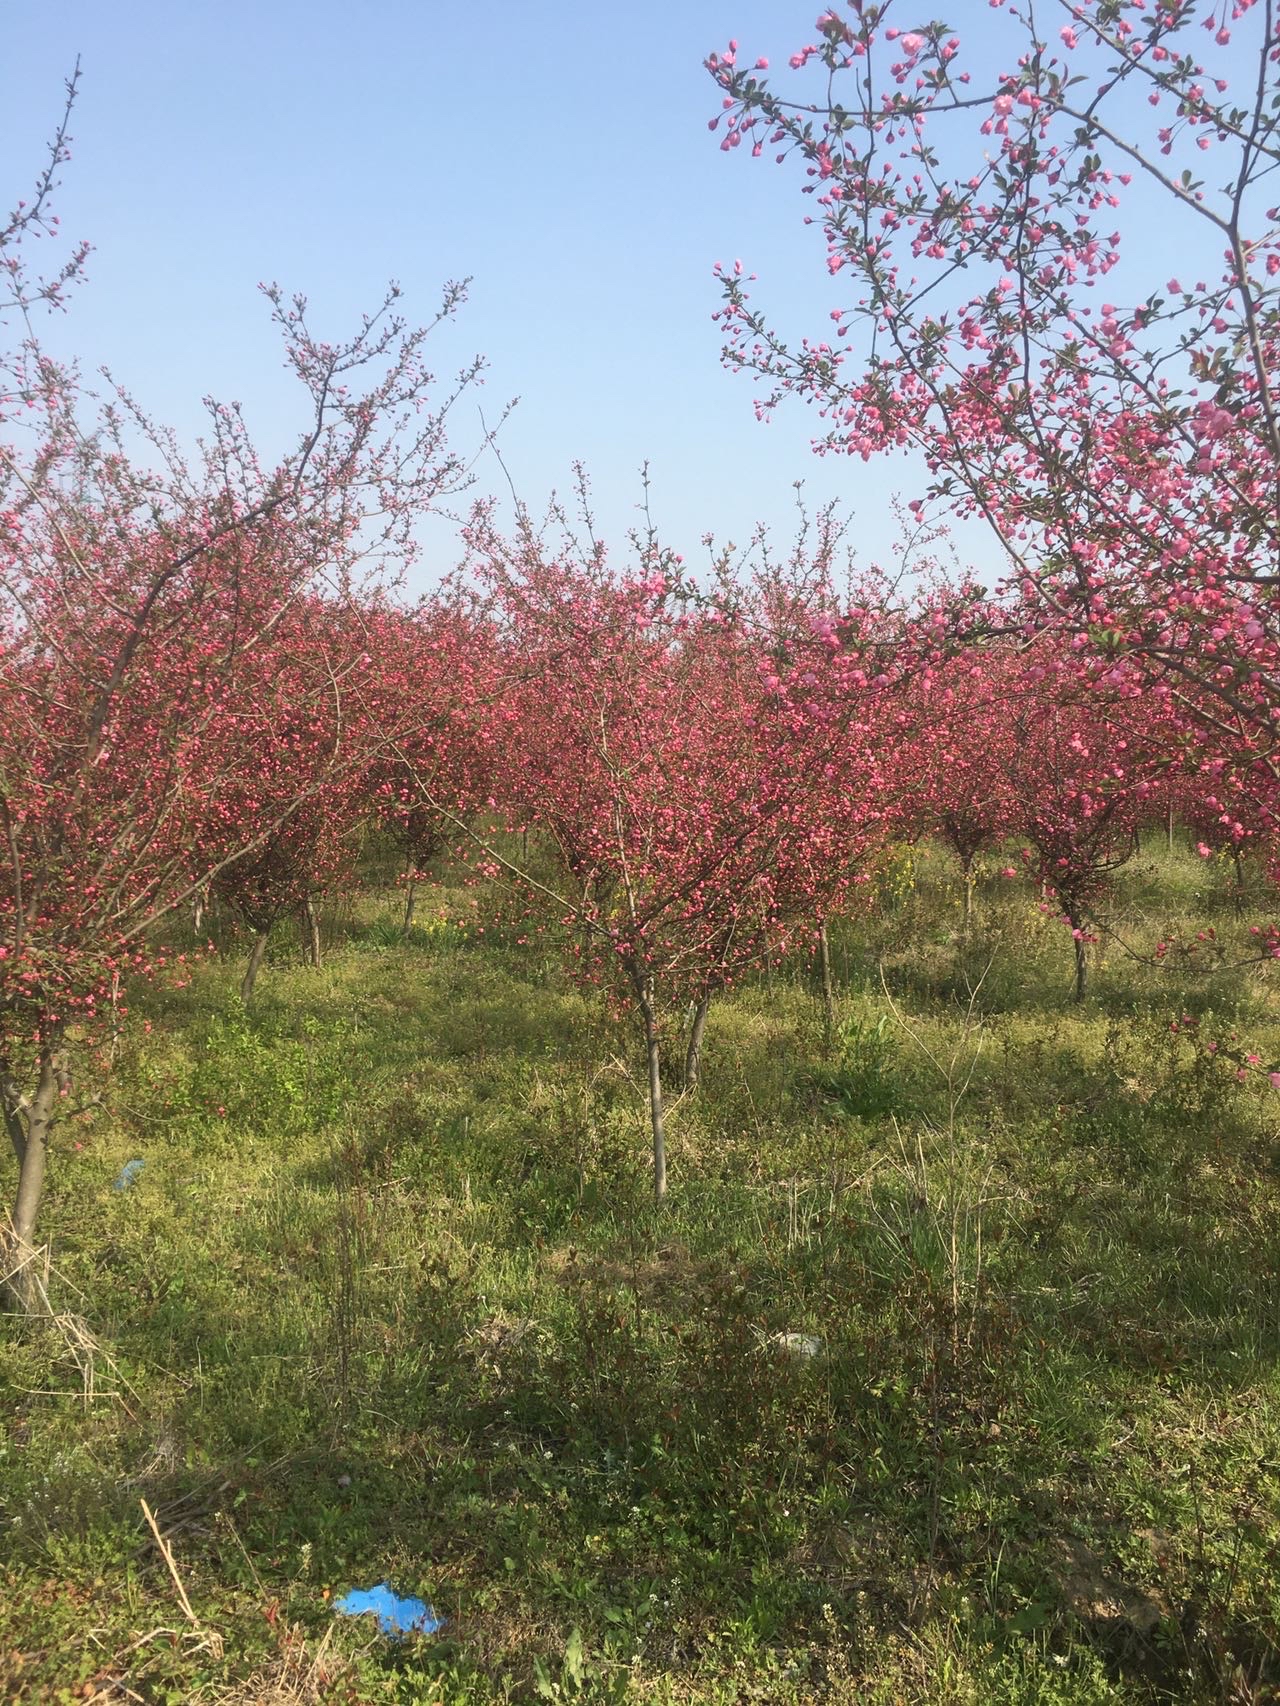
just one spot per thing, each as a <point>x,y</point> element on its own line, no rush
<point>206,684</point>
<point>716,767</point>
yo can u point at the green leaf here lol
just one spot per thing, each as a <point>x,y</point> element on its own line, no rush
<point>573,1656</point>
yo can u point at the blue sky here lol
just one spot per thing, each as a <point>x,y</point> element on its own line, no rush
<point>558,153</point>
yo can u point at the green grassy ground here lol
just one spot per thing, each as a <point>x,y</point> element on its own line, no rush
<point>389,1301</point>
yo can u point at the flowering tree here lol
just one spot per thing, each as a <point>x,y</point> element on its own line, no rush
<point>296,743</point>
<point>1121,440</point>
<point>1080,771</point>
<point>842,660</point>
<point>438,675</point>
<point>1229,808</point>
<point>138,605</point>
<point>676,766</point>
<point>954,774</point>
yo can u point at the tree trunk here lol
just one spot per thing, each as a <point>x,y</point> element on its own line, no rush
<point>197,912</point>
<point>693,1053</point>
<point>410,903</point>
<point>1170,826</point>
<point>644,995</point>
<point>311,933</point>
<point>29,1130</point>
<point>250,977</point>
<point>1082,967</point>
<point>826,986</point>
<point>1081,948</point>
<point>966,869</point>
<point>1238,896</point>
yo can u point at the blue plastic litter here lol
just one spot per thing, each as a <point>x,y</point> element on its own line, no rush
<point>128,1173</point>
<point>396,1616</point>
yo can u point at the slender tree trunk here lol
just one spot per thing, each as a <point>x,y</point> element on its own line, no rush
<point>197,912</point>
<point>1081,948</point>
<point>826,986</point>
<point>693,1053</point>
<point>311,933</point>
<point>966,869</point>
<point>410,904</point>
<point>29,1130</point>
<point>254,966</point>
<point>644,995</point>
<point>1170,829</point>
<point>1238,896</point>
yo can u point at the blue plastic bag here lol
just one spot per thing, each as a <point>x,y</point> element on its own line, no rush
<point>396,1616</point>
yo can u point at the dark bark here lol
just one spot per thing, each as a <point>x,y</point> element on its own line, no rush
<point>13,1121</point>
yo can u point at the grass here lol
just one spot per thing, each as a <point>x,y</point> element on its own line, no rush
<point>389,1300</point>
